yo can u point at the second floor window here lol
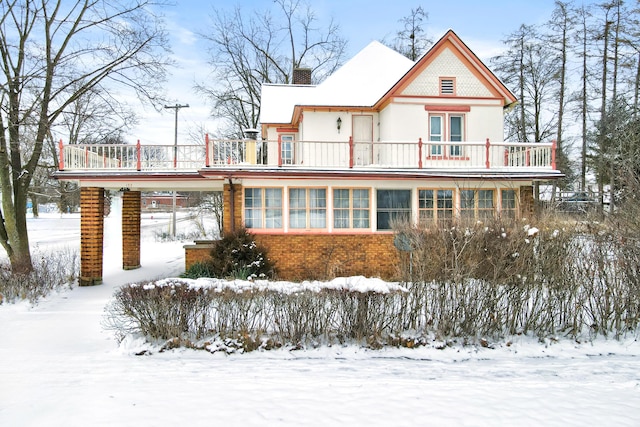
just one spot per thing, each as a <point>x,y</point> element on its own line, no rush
<point>446,127</point>
<point>287,149</point>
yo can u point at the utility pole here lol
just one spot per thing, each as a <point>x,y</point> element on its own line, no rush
<point>177,108</point>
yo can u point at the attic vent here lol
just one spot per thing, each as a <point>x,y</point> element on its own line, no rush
<point>301,76</point>
<point>447,86</point>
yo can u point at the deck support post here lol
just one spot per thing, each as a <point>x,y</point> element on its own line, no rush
<point>91,235</point>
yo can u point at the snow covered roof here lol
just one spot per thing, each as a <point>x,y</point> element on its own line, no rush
<point>360,82</point>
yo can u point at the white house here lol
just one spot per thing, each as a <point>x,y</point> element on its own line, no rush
<point>383,139</point>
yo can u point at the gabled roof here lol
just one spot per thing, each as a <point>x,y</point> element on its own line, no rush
<point>369,80</point>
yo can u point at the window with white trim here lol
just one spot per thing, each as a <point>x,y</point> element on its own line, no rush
<point>446,127</point>
<point>351,208</point>
<point>477,204</point>
<point>307,208</point>
<point>434,205</point>
<point>263,207</point>
<point>509,203</point>
<point>287,149</point>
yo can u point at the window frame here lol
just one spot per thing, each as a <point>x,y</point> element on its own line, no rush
<point>437,212</point>
<point>263,209</point>
<point>510,212</point>
<point>393,212</point>
<point>308,209</point>
<point>287,148</point>
<point>479,210</point>
<point>351,209</point>
<point>447,151</point>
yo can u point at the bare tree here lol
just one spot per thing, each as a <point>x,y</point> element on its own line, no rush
<point>51,54</point>
<point>561,25</point>
<point>247,50</point>
<point>412,40</point>
<point>529,68</point>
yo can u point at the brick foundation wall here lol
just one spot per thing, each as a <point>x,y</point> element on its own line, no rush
<point>131,230</point>
<point>196,253</point>
<point>91,235</point>
<point>299,257</point>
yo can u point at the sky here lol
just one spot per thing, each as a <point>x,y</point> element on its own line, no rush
<point>61,368</point>
<point>480,24</point>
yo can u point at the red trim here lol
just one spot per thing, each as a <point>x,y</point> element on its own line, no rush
<point>350,152</point>
<point>287,130</point>
<point>420,153</point>
<point>138,156</point>
<point>487,163</point>
<point>279,150</point>
<point>448,108</point>
<point>61,160</point>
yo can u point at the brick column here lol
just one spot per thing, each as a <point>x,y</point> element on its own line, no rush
<point>130,230</point>
<point>526,202</point>
<point>231,208</point>
<point>91,235</point>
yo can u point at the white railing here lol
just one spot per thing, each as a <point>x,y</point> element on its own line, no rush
<point>310,154</point>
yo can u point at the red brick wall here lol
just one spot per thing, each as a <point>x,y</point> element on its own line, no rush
<point>526,202</point>
<point>130,230</point>
<point>196,253</point>
<point>300,257</point>
<point>328,255</point>
<point>91,235</point>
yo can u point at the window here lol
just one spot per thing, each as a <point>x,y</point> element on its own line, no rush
<point>351,208</point>
<point>263,207</point>
<point>307,208</point>
<point>476,204</point>
<point>393,206</point>
<point>434,205</point>
<point>453,131</point>
<point>508,203</point>
<point>447,86</point>
<point>455,135</point>
<point>286,149</point>
<point>435,134</point>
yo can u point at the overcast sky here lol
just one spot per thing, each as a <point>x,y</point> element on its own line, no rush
<point>480,24</point>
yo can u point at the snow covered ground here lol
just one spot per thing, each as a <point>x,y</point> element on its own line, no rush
<point>58,367</point>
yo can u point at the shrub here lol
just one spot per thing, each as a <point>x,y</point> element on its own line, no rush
<point>51,271</point>
<point>237,255</point>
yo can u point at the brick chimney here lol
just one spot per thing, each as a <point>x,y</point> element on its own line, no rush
<point>302,76</point>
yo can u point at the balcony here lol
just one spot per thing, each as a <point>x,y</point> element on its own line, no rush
<point>415,155</point>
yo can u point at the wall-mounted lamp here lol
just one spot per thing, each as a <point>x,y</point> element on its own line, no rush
<point>339,124</point>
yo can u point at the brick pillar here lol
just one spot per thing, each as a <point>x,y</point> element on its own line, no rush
<point>231,211</point>
<point>526,202</point>
<point>91,235</point>
<point>130,230</point>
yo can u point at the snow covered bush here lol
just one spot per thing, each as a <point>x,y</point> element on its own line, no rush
<point>258,314</point>
<point>51,271</point>
<point>236,255</point>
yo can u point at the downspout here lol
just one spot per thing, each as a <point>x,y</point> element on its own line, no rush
<point>232,206</point>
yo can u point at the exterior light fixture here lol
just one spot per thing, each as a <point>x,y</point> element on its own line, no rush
<point>339,124</point>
